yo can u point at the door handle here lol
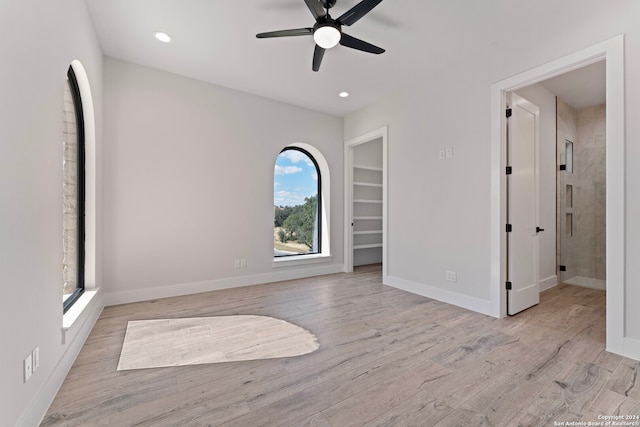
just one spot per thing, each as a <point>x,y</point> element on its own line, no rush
<point>538,229</point>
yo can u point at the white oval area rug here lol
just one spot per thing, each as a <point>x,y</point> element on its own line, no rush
<point>200,340</point>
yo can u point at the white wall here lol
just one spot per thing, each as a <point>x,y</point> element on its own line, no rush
<point>444,223</point>
<point>546,102</point>
<point>189,183</point>
<point>438,210</point>
<point>39,41</point>
<point>368,154</point>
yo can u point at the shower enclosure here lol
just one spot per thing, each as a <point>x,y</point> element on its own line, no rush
<point>581,200</point>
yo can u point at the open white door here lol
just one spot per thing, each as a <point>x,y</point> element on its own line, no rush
<point>522,206</point>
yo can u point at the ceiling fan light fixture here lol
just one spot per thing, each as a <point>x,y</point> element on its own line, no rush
<point>327,36</point>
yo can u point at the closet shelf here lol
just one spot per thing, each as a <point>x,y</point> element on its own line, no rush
<point>367,184</point>
<point>370,168</point>
<point>368,232</point>
<point>366,217</point>
<point>372,245</point>
<point>367,201</point>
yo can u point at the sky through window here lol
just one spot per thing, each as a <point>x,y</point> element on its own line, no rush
<point>295,177</point>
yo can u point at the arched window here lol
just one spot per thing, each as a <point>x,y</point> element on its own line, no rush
<point>297,204</point>
<point>73,193</point>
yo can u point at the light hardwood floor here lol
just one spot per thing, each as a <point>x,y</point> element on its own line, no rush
<point>386,358</point>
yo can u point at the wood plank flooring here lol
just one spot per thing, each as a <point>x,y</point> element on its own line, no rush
<point>386,358</point>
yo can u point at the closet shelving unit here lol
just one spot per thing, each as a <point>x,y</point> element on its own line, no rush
<point>367,207</point>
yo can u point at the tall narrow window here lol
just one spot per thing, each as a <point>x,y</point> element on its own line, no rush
<point>73,163</point>
<point>297,204</point>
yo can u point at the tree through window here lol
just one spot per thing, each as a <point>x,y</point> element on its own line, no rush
<point>296,204</point>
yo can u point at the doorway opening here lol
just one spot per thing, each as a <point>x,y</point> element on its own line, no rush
<point>613,53</point>
<point>366,201</point>
<point>556,191</point>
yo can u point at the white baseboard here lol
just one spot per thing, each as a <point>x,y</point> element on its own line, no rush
<point>74,337</point>
<point>625,346</point>
<point>548,283</point>
<point>433,292</point>
<point>124,297</point>
<point>587,282</point>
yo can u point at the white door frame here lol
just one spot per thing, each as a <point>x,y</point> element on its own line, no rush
<point>349,145</point>
<point>612,51</point>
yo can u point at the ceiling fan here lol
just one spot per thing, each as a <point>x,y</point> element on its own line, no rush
<point>327,32</point>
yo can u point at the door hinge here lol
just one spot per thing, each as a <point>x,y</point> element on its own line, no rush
<point>563,167</point>
<point>563,268</point>
<point>509,112</point>
<point>509,228</point>
<point>509,170</point>
<point>509,286</point>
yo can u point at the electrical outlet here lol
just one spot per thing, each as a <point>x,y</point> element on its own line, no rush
<point>243,263</point>
<point>441,154</point>
<point>451,276</point>
<point>448,153</point>
<point>28,367</point>
<point>236,263</point>
<point>35,355</point>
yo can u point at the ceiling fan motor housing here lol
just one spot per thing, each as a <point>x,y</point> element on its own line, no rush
<point>327,22</point>
<point>328,4</point>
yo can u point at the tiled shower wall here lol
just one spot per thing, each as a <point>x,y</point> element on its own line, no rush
<point>582,192</point>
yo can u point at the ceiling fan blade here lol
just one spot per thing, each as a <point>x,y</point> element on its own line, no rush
<point>318,53</point>
<point>316,9</point>
<point>286,33</point>
<point>358,11</point>
<point>354,43</point>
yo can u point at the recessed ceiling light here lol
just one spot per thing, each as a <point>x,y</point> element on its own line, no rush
<point>343,94</point>
<point>163,37</point>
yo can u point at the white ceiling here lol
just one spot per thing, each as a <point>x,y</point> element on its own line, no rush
<point>214,41</point>
<point>581,88</point>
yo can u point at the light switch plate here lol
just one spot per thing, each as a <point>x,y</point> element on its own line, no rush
<point>28,367</point>
<point>35,355</point>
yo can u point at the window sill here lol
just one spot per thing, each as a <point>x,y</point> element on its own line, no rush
<point>301,260</point>
<point>77,309</point>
